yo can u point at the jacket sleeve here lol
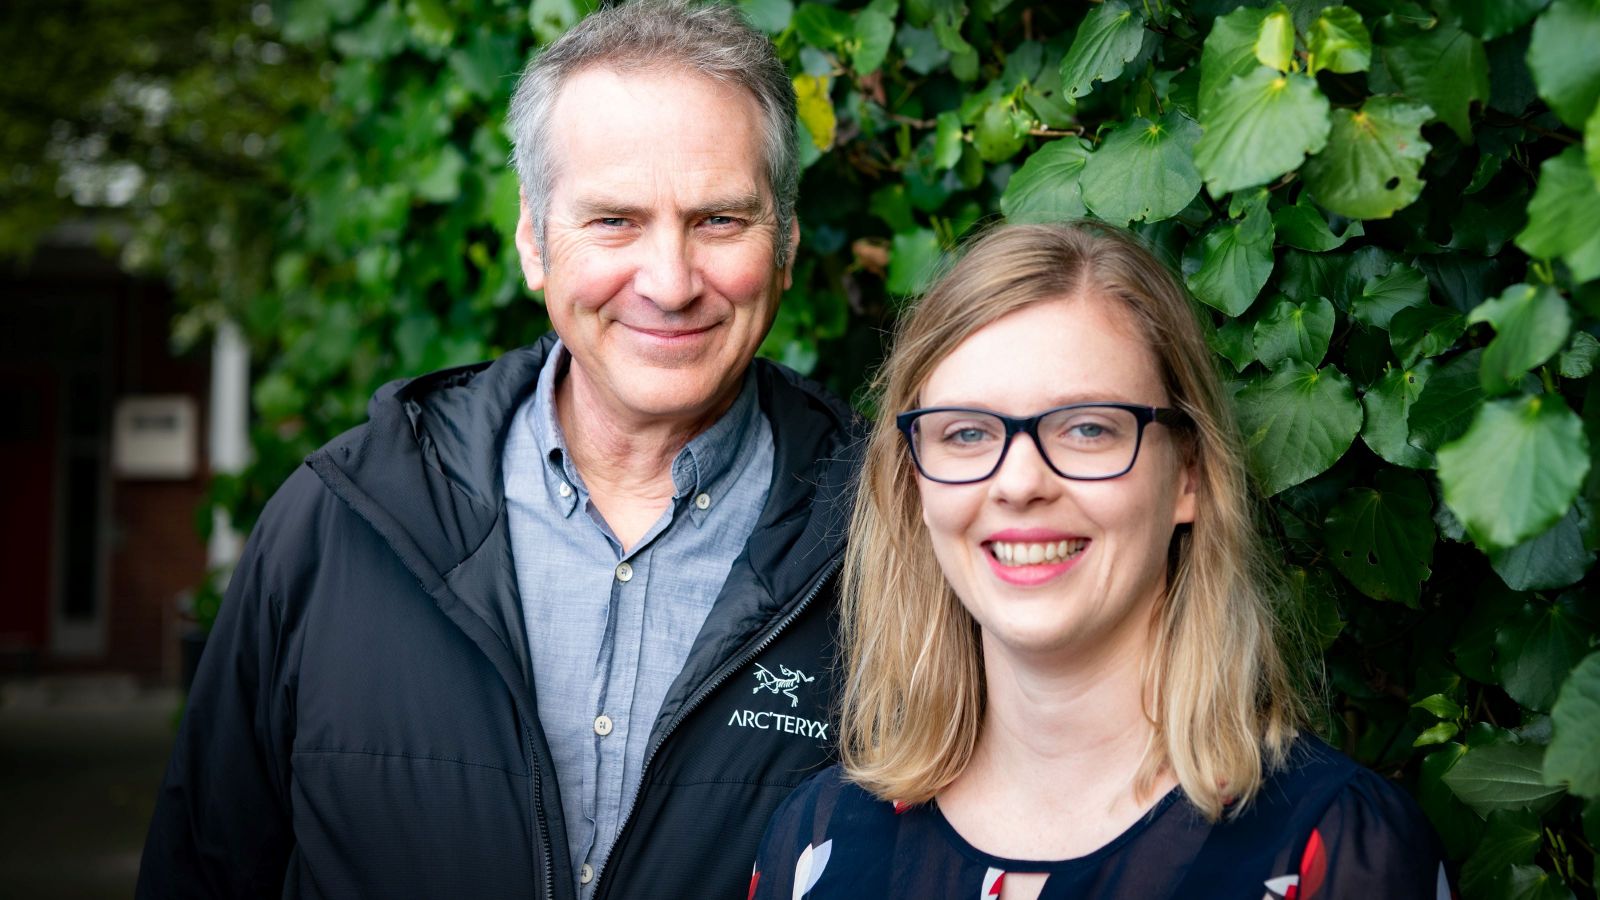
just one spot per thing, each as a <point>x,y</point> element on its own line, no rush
<point>221,826</point>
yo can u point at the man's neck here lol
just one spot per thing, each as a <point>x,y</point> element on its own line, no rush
<point>626,461</point>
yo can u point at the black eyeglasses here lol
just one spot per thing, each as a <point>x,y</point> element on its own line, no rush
<point>1080,441</point>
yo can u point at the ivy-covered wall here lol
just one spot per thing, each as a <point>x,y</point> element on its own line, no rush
<point>1390,211</point>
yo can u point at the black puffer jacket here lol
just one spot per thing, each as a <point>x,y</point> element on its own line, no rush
<point>363,724</point>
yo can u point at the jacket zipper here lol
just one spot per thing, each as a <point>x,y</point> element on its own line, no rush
<point>542,834</point>
<point>711,686</point>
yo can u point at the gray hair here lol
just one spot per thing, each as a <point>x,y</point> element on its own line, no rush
<point>712,40</point>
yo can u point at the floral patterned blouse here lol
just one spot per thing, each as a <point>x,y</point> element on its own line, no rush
<point>1323,828</point>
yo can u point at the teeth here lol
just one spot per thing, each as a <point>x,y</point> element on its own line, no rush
<point>1032,554</point>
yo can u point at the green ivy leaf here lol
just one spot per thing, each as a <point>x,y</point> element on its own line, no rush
<point>1502,775</point>
<point>874,35</point>
<point>1531,324</point>
<point>1561,56</point>
<point>913,259</point>
<point>1534,883</point>
<point>1572,760</point>
<point>1516,470</point>
<point>1512,838</point>
<point>1297,422</point>
<point>1370,166</point>
<point>947,141</point>
<point>1458,827</point>
<point>1577,361</point>
<point>1564,215</point>
<point>1302,226</point>
<point>1443,67</point>
<point>816,109</point>
<point>822,27</point>
<point>1229,52</point>
<point>1424,331</point>
<point>1388,409</point>
<point>1441,706</point>
<point>1538,647</point>
<point>1234,341</point>
<point>1339,42</point>
<point>921,50</point>
<point>1490,19</point>
<point>1555,559</point>
<point>1275,41</point>
<point>1236,260</point>
<point>1260,126</point>
<point>1437,734</point>
<point>1143,170</point>
<point>1449,401</point>
<point>1046,188</point>
<point>1294,332</point>
<point>1108,39</point>
<point>1402,287</point>
<point>1381,538</point>
<point>771,16</point>
<point>1000,132</point>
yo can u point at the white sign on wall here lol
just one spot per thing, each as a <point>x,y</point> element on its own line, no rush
<point>155,437</point>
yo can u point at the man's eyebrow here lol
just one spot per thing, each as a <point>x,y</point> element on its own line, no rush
<point>600,207</point>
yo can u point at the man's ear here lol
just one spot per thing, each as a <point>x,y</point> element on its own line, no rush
<point>794,247</point>
<point>528,248</point>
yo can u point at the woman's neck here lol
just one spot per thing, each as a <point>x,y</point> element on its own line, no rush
<point>1062,741</point>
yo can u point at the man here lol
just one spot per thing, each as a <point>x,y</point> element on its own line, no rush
<point>557,626</point>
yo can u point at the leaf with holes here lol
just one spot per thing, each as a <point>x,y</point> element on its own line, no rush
<point>1297,422</point>
<point>1294,332</point>
<point>1260,126</point>
<point>1564,215</point>
<point>1369,168</point>
<point>1381,538</point>
<point>1388,408</point>
<point>1531,324</point>
<point>1110,37</point>
<point>1143,171</point>
<point>1047,188</point>
<point>1516,470</point>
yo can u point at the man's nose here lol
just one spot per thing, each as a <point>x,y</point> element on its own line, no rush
<point>667,275</point>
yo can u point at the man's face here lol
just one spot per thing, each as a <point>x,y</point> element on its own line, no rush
<point>658,268</point>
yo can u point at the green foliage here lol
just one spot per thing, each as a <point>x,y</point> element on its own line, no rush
<point>1389,212</point>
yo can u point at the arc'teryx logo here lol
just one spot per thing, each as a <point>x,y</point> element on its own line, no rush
<point>786,685</point>
<point>791,679</point>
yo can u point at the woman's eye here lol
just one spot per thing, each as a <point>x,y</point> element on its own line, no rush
<point>970,435</point>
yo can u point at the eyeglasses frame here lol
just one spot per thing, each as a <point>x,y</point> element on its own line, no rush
<point>1144,415</point>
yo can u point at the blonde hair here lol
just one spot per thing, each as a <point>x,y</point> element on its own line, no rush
<point>1219,697</point>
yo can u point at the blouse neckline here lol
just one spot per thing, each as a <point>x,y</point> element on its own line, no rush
<point>1021,866</point>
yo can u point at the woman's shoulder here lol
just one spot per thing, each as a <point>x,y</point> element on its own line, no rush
<point>1352,831</point>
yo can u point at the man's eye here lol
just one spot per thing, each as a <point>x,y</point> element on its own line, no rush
<point>612,221</point>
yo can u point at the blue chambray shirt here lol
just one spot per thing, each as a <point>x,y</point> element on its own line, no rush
<point>609,631</point>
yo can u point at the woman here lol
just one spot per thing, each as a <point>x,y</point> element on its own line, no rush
<point>1064,675</point>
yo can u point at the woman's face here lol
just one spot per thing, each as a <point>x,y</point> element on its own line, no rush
<point>1098,597</point>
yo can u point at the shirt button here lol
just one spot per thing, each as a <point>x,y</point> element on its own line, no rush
<point>624,572</point>
<point>602,725</point>
<point>585,873</point>
<point>565,490</point>
<point>703,501</point>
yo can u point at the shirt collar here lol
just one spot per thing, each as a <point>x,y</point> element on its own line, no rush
<point>696,470</point>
